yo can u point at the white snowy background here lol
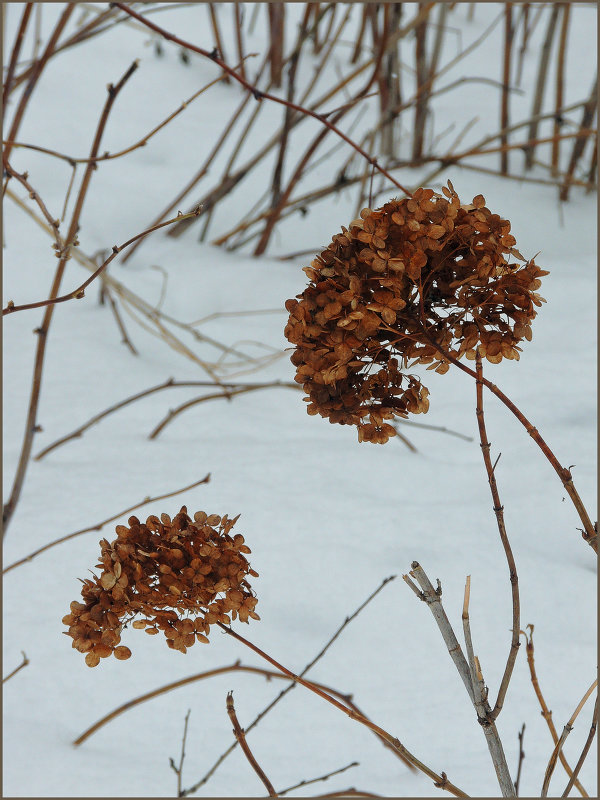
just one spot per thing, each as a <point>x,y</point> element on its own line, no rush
<point>327,518</point>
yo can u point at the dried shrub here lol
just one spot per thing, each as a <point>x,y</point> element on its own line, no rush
<point>415,275</point>
<point>179,576</point>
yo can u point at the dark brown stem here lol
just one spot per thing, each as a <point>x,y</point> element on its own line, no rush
<point>238,17</point>
<point>217,34</point>
<point>541,81</point>
<point>100,525</point>
<point>258,94</point>
<point>239,735</point>
<point>512,568</point>
<point>276,12</point>
<point>560,75</point>
<point>14,57</point>
<point>589,110</point>
<point>35,74</point>
<point>423,80</point>
<point>521,757</point>
<point>508,39</point>
<point>42,331</point>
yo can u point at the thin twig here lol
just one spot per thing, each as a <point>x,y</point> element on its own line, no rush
<point>14,56</point>
<point>319,779</point>
<point>546,713</point>
<point>584,752</point>
<point>100,525</point>
<point>178,769</point>
<point>292,685</point>
<point>16,669</point>
<point>508,40</point>
<point>79,292</point>
<point>566,731</point>
<point>512,568</point>
<point>560,76</point>
<point>521,757</point>
<point>42,331</point>
<point>239,735</point>
<point>439,780</point>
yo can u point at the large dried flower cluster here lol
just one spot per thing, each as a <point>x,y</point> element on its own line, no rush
<point>412,281</point>
<point>179,576</point>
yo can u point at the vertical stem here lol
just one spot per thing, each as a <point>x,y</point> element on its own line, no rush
<point>504,121</point>
<point>560,74</point>
<point>217,34</point>
<point>238,17</point>
<point>421,74</point>
<point>589,110</point>
<point>14,57</point>
<point>276,34</point>
<point>499,511</point>
<point>541,83</point>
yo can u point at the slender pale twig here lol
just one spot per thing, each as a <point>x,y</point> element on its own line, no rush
<point>240,736</point>
<point>474,686</point>
<point>512,568</point>
<point>546,713</point>
<point>16,669</point>
<point>98,526</point>
<point>566,731</point>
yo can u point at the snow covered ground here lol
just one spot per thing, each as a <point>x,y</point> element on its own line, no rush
<point>327,518</point>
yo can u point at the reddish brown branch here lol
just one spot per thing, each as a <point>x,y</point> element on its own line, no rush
<point>512,568</point>
<point>15,54</point>
<point>239,735</point>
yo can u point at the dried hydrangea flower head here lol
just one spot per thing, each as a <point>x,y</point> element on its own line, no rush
<point>415,275</point>
<point>177,576</point>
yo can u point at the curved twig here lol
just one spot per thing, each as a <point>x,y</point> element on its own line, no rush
<point>100,525</point>
<point>240,736</point>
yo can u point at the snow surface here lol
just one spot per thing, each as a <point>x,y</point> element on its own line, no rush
<point>326,518</point>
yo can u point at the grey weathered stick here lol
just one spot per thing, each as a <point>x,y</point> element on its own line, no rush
<point>476,692</point>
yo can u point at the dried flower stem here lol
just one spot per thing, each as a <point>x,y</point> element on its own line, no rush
<point>475,688</point>
<point>546,713</point>
<point>584,752</point>
<point>566,731</point>
<point>16,669</point>
<point>560,76</point>
<point>100,525</point>
<point>42,331</point>
<point>512,568</point>
<point>589,109</point>
<point>239,735</point>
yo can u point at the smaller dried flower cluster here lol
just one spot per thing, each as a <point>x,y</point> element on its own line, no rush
<point>180,576</point>
<point>413,281</point>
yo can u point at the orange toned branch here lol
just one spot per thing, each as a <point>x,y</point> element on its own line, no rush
<point>439,780</point>
<point>79,292</point>
<point>512,568</point>
<point>100,525</point>
<point>239,735</point>
<point>258,94</point>
<point>546,713</point>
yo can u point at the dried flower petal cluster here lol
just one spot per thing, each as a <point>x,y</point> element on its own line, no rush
<point>176,576</point>
<point>406,284</point>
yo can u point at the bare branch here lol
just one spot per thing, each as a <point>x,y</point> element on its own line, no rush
<point>16,669</point>
<point>239,735</point>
